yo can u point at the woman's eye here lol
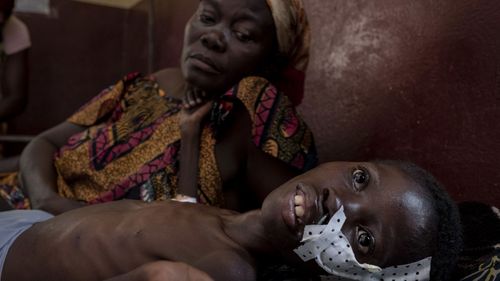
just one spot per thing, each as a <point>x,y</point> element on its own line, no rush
<point>206,19</point>
<point>366,242</point>
<point>360,179</point>
<point>243,37</point>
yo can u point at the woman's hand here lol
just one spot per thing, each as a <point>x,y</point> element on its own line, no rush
<point>194,97</point>
<point>38,176</point>
<point>191,119</point>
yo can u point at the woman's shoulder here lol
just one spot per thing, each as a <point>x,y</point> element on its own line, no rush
<point>171,81</point>
<point>277,127</point>
<point>256,86</point>
<point>252,83</point>
<point>167,72</point>
<point>255,92</point>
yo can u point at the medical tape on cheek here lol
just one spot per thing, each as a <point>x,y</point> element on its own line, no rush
<point>331,250</point>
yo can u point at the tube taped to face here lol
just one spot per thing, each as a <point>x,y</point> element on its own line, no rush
<point>332,252</point>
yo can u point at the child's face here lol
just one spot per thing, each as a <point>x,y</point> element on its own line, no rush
<point>383,209</point>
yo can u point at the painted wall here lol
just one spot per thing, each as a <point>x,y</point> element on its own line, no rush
<point>76,51</point>
<point>413,80</point>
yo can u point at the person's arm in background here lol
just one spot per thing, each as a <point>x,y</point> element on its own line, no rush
<point>37,171</point>
<point>13,84</point>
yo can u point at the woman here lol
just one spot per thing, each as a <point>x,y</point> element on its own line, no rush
<point>144,137</point>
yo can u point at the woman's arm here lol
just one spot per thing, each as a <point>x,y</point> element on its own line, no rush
<point>163,271</point>
<point>191,125</point>
<point>13,84</point>
<point>38,174</point>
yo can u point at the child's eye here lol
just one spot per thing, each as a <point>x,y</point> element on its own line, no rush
<point>366,242</point>
<point>360,179</point>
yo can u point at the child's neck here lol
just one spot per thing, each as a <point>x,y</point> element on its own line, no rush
<point>248,231</point>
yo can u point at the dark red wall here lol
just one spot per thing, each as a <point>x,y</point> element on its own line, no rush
<point>170,19</point>
<point>76,51</point>
<point>81,48</point>
<point>413,80</point>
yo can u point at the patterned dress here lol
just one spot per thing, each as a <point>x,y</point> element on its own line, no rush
<point>131,147</point>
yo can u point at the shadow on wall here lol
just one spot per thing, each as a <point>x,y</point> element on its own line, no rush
<point>410,80</point>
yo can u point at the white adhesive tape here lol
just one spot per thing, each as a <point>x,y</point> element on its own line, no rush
<point>331,250</point>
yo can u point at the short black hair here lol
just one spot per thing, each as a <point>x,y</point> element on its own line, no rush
<point>447,243</point>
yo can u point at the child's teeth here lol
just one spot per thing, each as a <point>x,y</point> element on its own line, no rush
<point>299,200</point>
<point>299,211</point>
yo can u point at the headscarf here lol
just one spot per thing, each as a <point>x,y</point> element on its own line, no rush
<point>292,30</point>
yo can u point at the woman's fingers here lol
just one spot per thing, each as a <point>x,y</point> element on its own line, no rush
<point>198,95</point>
<point>191,119</point>
<point>193,97</point>
<point>188,98</point>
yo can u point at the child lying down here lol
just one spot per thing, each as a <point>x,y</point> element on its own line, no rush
<point>343,221</point>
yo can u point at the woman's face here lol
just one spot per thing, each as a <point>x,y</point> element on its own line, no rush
<point>227,40</point>
<point>384,209</point>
